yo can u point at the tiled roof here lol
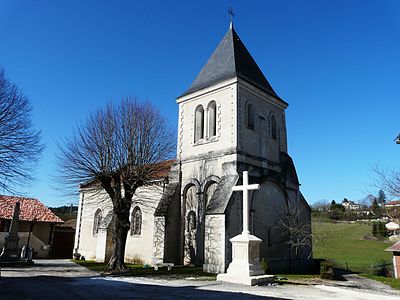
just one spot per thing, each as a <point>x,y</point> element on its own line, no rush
<point>158,171</point>
<point>395,247</point>
<point>162,169</point>
<point>396,202</point>
<point>30,209</point>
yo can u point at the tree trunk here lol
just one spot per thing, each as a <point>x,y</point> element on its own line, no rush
<point>120,226</point>
<point>119,235</point>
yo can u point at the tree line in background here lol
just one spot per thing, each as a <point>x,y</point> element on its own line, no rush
<point>66,212</point>
<point>371,207</point>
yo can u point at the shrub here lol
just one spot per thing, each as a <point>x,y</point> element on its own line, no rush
<point>374,229</point>
<point>382,268</point>
<point>382,231</point>
<point>326,270</point>
<point>264,265</point>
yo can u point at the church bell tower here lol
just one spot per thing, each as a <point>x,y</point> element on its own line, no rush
<point>230,109</point>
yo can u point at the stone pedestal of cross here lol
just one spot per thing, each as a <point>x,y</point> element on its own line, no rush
<point>245,267</point>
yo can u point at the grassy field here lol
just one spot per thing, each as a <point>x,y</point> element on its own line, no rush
<point>351,243</point>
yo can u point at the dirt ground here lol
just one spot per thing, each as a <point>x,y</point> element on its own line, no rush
<point>62,279</point>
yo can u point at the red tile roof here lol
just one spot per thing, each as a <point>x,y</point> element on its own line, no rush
<point>395,247</point>
<point>396,202</point>
<point>159,171</point>
<point>30,209</point>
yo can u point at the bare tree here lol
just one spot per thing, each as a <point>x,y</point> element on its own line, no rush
<point>20,146</point>
<point>121,148</point>
<point>388,180</point>
<point>297,231</point>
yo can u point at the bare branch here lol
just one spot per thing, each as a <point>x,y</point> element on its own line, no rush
<point>20,146</point>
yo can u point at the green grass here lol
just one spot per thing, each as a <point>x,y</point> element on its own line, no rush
<point>297,276</point>
<point>344,242</point>
<point>139,270</point>
<point>393,282</point>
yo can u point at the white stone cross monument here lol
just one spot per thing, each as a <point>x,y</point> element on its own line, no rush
<point>246,187</point>
<point>245,267</point>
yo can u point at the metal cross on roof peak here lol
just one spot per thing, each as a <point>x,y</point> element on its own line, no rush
<point>231,14</point>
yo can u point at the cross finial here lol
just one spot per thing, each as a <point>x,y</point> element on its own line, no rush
<point>231,15</point>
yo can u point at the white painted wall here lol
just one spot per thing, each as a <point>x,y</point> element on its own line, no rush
<point>138,247</point>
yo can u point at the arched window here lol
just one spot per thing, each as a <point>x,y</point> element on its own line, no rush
<point>136,221</point>
<point>191,221</point>
<point>97,222</point>
<point>250,115</point>
<point>198,123</point>
<point>210,192</point>
<point>273,126</point>
<point>212,119</point>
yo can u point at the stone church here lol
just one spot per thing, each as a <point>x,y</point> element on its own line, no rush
<point>230,121</point>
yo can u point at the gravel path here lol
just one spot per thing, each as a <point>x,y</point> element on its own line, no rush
<point>62,279</point>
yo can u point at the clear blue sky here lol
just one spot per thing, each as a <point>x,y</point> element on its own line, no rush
<point>335,62</point>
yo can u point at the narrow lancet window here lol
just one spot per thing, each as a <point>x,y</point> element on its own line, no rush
<point>199,123</point>
<point>97,222</point>
<point>250,115</point>
<point>136,222</point>
<point>273,127</point>
<point>212,119</point>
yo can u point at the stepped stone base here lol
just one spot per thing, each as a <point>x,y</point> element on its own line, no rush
<point>247,280</point>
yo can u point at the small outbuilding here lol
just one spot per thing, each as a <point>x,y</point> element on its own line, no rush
<point>396,258</point>
<point>36,223</point>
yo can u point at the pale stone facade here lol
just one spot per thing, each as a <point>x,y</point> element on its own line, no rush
<point>230,121</point>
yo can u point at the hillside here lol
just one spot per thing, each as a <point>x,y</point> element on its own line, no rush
<point>349,242</point>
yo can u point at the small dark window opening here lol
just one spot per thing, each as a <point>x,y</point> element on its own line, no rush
<point>269,237</point>
<point>273,127</point>
<point>250,116</point>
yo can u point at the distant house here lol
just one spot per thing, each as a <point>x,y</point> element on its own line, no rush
<point>395,203</point>
<point>350,205</point>
<point>36,222</point>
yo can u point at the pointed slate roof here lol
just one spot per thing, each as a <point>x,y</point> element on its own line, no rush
<point>230,59</point>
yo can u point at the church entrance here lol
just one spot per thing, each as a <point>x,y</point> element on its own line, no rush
<point>196,202</point>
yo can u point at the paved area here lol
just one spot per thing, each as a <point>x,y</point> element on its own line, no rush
<point>62,279</point>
